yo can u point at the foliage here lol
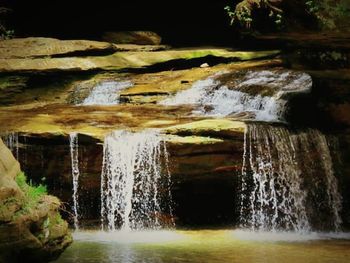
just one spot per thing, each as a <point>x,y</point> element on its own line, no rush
<point>32,193</point>
<point>242,14</point>
<point>329,14</point>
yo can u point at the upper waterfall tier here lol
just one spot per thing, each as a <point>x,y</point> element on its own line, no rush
<point>262,94</point>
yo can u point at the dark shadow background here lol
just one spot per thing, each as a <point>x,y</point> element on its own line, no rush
<point>179,22</point>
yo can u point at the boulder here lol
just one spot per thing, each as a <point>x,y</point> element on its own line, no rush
<point>133,37</point>
<point>30,224</point>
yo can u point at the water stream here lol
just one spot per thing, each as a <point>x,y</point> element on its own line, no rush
<point>134,180</point>
<point>74,154</point>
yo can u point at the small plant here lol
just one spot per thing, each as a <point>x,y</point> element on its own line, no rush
<point>4,32</point>
<point>32,193</point>
<point>7,34</point>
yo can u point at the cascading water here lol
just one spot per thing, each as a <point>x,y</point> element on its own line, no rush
<point>74,154</point>
<point>134,180</point>
<point>278,181</point>
<point>224,101</point>
<point>261,94</point>
<point>106,93</point>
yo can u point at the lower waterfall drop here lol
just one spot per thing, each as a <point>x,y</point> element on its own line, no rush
<point>277,165</point>
<point>74,154</point>
<point>322,177</point>
<point>134,179</point>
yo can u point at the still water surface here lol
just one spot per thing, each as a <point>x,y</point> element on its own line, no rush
<point>221,246</point>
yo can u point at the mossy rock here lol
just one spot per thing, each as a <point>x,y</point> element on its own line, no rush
<point>30,223</point>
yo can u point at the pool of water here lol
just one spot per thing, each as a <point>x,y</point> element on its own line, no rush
<point>219,246</point>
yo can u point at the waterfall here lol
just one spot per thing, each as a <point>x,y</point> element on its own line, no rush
<point>74,154</point>
<point>106,93</point>
<point>280,173</point>
<point>11,141</point>
<point>134,181</point>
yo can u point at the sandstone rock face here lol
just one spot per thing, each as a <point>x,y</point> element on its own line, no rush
<point>120,60</point>
<point>38,47</point>
<point>28,227</point>
<point>133,37</point>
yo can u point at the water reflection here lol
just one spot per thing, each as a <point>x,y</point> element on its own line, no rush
<point>129,237</point>
<point>219,246</point>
